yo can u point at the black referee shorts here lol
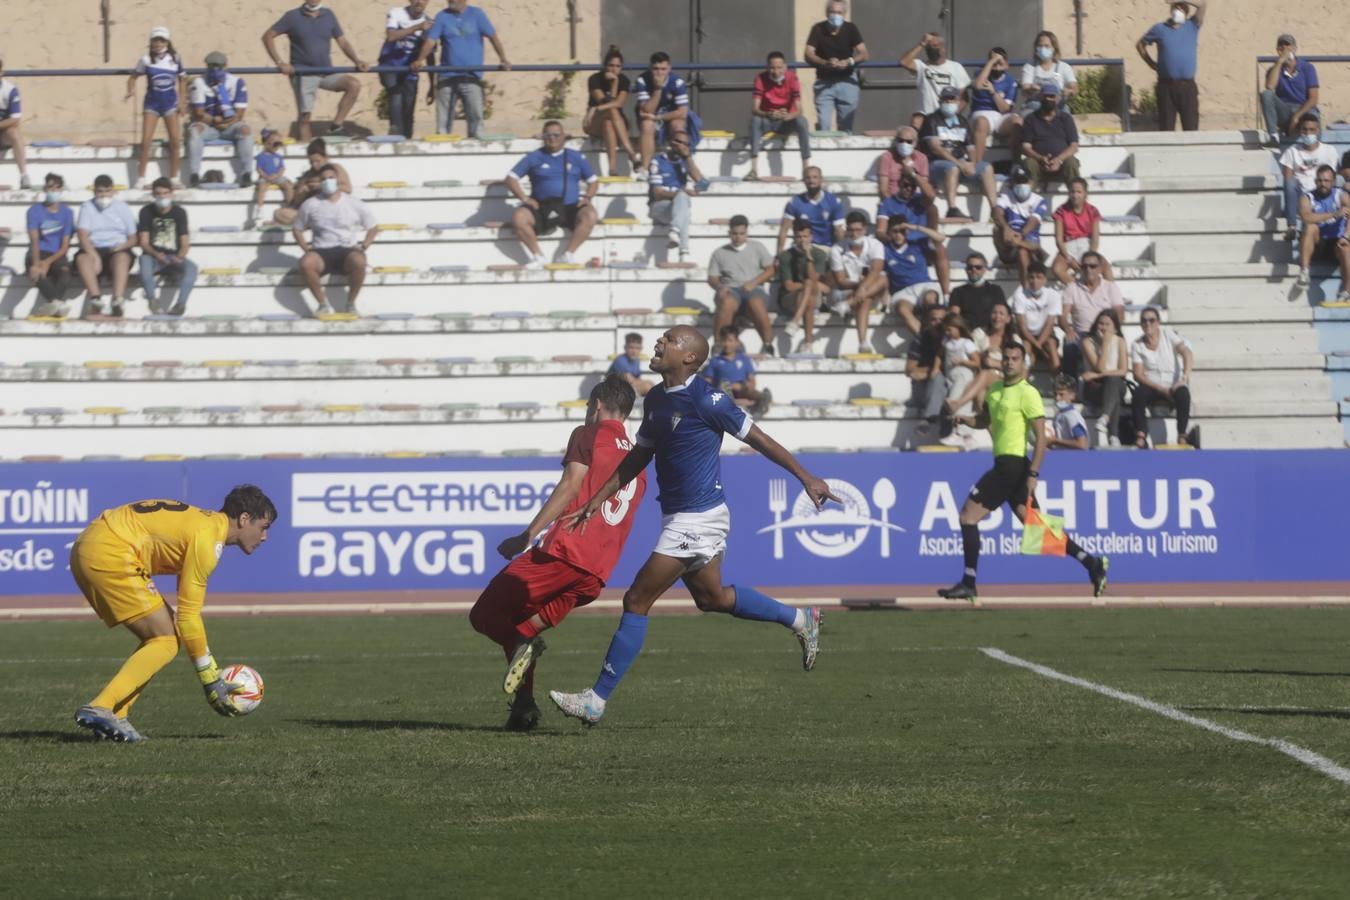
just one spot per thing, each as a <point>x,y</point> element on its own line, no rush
<point>1006,483</point>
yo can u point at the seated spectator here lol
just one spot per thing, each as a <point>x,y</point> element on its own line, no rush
<point>1084,300</point>
<point>934,74</point>
<point>856,264</point>
<point>311,29</point>
<point>993,105</point>
<point>271,165</point>
<point>673,181</point>
<point>51,225</point>
<point>1050,141</point>
<point>733,372</point>
<point>1000,334</point>
<point>1017,224</point>
<point>556,174</point>
<point>923,366</point>
<point>1292,91</point>
<point>1162,363</point>
<point>1299,164</point>
<point>776,106</point>
<point>1104,375</point>
<point>628,365</point>
<point>107,232</point>
<point>164,76</point>
<point>405,30</point>
<point>900,157</point>
<point>165,241</point>
<point>960,366</point>
<point>738,272</point>
<point>1037,309</point>
<point>803,271</point>
<point>310,182</point>
<point>907,268</point>
<point>975,299</point>
<point>219,102</point>
<point>1327,207</point>
<point>835,46</point>
<point>1068,431</point>
<point>818,206</point>
<point>662,109</point>
<point>336,220</point>
<point>915,201</point>
<point>1046,68</point>
<point>1078,229</point>
<point>11,133</point>
<point>606,96</point>
<point>461,30</point>
<point>947,140</point>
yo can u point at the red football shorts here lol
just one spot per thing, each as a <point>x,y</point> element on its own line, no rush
<point>534,582</point>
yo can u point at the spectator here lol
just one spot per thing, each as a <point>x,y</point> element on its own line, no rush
<point>336,220</point>
<point>310,182</point>
<point>776,105</point>
<point>607,95</point>
<point>1017,224</point>
<point>907,268</point>
<point>857,265</point>
<point>1068,431</point>
<point>1000,334</point>
<point>1292,91</point>
<point>1077,230</point>
<point>1037,309</point>
<point>923,366</point>
<point>1327,207</point>
<point>914,201</point>
<point>1178,41</point>
<point>405,31</point>
<point>107,232</point>
<point>1104,375</point>
<point>1050,142</point>
<point>803,271</point>
<point>165,241</point>
<point>738,272</point>
<point>947,140</point>
<point>164,76</point>
<point>1084,300</point>
<point>960,367</point>
<point>311,29</point>
<point>673,181</point>
<point>835,47</point>
<point>219,101</point>
<point>51,225</point>
<point>662,108</point>
<point>900,157</point>
<point>628,365</point>
<point>556,174</point>
<point>461,29</point>
<point>271,165</point>
<point>935,74</point>
<point>733,372</point>
<point>1162,363</point>
<point>1046,68</point>
<point>818,206</point>
<point>975,299</point>
<point>1299,164</point>
<point>993,105</point>
<point>11,132</point>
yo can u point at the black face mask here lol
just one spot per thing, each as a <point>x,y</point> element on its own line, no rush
<point>1049,104</point>
<point>996,74</point>
<point>933,54</point>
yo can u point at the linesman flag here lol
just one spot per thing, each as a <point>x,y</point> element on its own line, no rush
<point>1043,534</point>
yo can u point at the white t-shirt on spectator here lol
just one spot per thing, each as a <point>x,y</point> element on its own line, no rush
<point>1060,74</point>
<point>1069,423</point>
<point>1163,364</point>
<point>956,351</point>
<point>855,266</point>
<point>343,223</point>
<point>1304,162</point>
<point>933,78</point>
<point>10,107</point>
<point>1038,310</point>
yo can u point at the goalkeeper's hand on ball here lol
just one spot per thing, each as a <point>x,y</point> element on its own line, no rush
<point>219,692</point>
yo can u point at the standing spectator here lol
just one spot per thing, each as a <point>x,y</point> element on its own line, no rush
<point>732,371</point>
<point>835,47</point>
<point>1104,375</point>
<point>607,95</point>
<point>1162,363</point>
<point>857,264</point>
<point>1078,226</point>
<point>948,142</point>
<point>907,268</point>
<point>975,299</point>
<point>1068,431</point>
<point>923,367</point>
<point>219,101</point>
<point>336,220</point>
<point>1178,41</point>
<point>738,272</point>
<point>271,165</point>
<point>960,367</point>
<point>1299,164</point>
<point>51,225</point>
<point>1017,224</point>
<point>1292,90</point>
<point>628,364</point>
<point>1050,142</point>
<point>673,181</point>
<point>803,278</point>
<point>662,108</point>
<point>11,133</point>
<point>107,232</point>
<point>164,76</point>
<point>556,174</point>
<point>1084,300</point>
<point>915,201</point>
<point>165,241</point>
<point>1046,68</point>
<point>461,29</point>
<point>311,28</point>
<point>993,104</point>
<point>1038,309</point>
<point>405,30</point>
<point>1327,207</point>
<point>900,157</point>
<point>816,205</point>
<point>935,74</point>
<point>776,105</point>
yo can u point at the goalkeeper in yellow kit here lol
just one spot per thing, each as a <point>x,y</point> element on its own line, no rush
<point>112,561</point>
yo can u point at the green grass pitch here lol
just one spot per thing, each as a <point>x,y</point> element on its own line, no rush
<point>908,764</point>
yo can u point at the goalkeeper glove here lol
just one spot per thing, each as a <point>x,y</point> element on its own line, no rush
<point>218,690</point>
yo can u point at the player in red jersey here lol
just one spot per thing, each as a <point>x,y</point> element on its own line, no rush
<point>568,568</point>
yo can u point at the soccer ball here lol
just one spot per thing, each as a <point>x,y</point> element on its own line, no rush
<point>248,699</point>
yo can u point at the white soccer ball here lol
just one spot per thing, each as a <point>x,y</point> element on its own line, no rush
<point>248,699</point>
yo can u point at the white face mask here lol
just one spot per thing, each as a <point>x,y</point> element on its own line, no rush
<point>1065,405</point>
<point>856,241</point>
<point>947,109</point>
<point>778,79</point>
<point>1178,16</point>
<point>53,196</point>
<point>313,7</point>
<point>835,20</point>
<point>1034,292</point>
<point>163,202</point>
<point>330,186</point>
<point>103,202</point>
<point>904,148</point>
<point>978,279</point>
<point>1045,52</point>
<point>1021,191</point>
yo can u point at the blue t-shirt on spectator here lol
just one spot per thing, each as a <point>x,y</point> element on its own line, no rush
<point>914,211</point>
<point>461,35</point>
<point>52,227</point>
<point>1293,86</point>
<point>11,106</point>
<point>984,100</point>
<point>734,369</point>
<point>545,171</point>
<point>906,265</point>
<point>622,365</point>
<point>674,93</point>
<point>311,37</point>
<point>270,164</point>
<point>1176,49</point>
<point>667,174</point>
<point>823,214</point>
<point>107,227</point>
<point>1332,229</point>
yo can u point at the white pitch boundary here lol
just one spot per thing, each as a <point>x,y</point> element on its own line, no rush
<point>1294,751</point>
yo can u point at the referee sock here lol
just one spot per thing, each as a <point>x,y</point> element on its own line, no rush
<point>751,604</point>
<point>970,549</point>
<point>1078,553</point>
<point>151,656</point>
<point>623,649</point>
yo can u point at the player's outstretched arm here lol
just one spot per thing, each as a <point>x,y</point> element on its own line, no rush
<point>816,488</point>
<point>564,492</point>
<point>629,468</point>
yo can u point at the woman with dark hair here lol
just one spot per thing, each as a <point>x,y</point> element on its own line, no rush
<point>607,92</point>
<point>165,75</point>
<point>1104,375</point>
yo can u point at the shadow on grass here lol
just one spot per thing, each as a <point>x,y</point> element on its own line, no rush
<point>394,725</point>
<point>55,737</point>
<point>1274,711</point>
<point>1293,672</point>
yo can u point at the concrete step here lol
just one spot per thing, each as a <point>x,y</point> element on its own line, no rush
<point>1212,160</point>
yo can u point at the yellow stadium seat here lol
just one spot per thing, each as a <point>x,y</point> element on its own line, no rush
<point>859,357</point>
<point>106,410</point>
<point>341,407</point>
<point>619,220</point>
<point>405,454</point>
<point>871,401</point>
<point>392,226</point>
<point>221,270</point>
<point>1101,130</point>
<point>393,270</point>
<point>572,404</point>
<point>223,363</point>
<point>1173,447</point>
<point>681,311</point>
<point>339,317</point>
<point>563,267</point>
<point>442,138</point>
<point>937,448</point>
<point>615,179</point>
<point>715,133</point>
<point>104,364</point>
<point>162,457</point>
<point>387,184</point>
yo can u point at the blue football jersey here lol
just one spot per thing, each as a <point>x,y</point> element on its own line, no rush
<point>823,214</point>
<point>906,265</point>
<point>684,425</point>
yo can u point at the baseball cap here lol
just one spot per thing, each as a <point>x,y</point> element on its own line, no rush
<point>216,58</point>
<point>1049,89</point>
<point>950,93</point>
<point>159,31</point>
<point>1020,175</point>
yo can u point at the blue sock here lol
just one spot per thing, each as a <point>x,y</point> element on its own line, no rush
<point>623,649</point>
<point>751,604</point>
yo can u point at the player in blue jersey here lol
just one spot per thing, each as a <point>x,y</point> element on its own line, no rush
<point>682,428</point>
<point>1327,207</point>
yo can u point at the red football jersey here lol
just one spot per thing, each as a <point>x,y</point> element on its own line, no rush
<point>601,447</point>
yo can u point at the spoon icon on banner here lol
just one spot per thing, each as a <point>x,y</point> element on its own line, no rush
<point>883,495</point>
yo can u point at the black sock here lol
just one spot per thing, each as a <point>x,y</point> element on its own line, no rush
<point>970,546</point>
<point>1078,553</point>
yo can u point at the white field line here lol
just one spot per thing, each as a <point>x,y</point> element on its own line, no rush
<point>1294,751</point>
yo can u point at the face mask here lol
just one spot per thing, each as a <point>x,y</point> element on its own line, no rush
<point>1178,16</point>
<point>313,7</point>
<point>330,186</point>
<point>215,76</point>
<point>933,54</point>
<point>996,74</point>
<point>977,279</point>
<point>1307,140</point>
<point>1034,292</point>
<point>1045,52</point>
<point>163,202</point>
<point>835,20</point>
<point>1049,103</point>
<point>778,79</point>
<point>1021,191</point>
<point>947,109</point>
<point>904,148</point>
<point>103,202</point>
<point>856,241</point>
<point>1064,405</point>
<point>53,197</point>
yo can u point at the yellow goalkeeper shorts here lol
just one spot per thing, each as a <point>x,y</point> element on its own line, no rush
<point>116,583</point>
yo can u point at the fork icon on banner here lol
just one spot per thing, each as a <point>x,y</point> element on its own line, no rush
<point>777,505</point>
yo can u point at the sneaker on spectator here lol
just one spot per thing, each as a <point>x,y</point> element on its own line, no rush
<point>323,309</point>
<point>143,183</point>
<point>957,212</point>
<point>118,307</point>
<point>55,309</point>
<point>1291,234</point>
<point>245,180</point>
<point>684,256</point>
<point>569,259</point>
<point>640,174</point>
<point>93,306</point>
<point>194,180</point>
<point>792,329</point>
<point>1303,277</point>
<point>536,262</point>
<point>337,128</point>
<point>25,183</point>
<point>673,238</point>
<point>1343,297</point>
<point>1113,441</point>
<point>178,309</point>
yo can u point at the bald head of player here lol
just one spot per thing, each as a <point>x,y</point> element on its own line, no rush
<point>679,353</point>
